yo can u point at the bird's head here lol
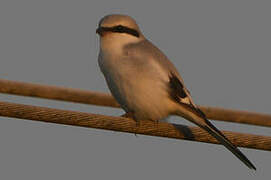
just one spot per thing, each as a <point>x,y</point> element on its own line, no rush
<point>119,29</point>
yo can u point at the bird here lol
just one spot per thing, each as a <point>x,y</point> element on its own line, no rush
<point>145,82</point>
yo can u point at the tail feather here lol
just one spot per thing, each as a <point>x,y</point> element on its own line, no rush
<point>223,140</point>
<point>196,116</point>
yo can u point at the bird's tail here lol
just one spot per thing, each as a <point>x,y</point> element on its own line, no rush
<point>196,116</point>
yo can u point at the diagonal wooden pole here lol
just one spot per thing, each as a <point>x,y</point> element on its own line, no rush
<point>161,129</point>
<point>101,99</point>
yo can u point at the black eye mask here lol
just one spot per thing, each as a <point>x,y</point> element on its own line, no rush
<point>118,29</point>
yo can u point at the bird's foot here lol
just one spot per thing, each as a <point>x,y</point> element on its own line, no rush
<point>130,115</point>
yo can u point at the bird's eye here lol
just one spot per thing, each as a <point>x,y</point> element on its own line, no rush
<point>119,28</point>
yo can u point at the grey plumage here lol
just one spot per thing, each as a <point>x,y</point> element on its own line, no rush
<point>143,80</point>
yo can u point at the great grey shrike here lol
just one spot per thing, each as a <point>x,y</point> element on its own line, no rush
<point>143,80</point>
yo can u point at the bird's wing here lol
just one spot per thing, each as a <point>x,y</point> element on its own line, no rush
<point>179,93</point>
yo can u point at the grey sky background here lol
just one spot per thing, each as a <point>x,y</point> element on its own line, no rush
<point>221,48</point>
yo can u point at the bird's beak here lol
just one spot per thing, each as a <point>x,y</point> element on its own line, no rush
<point>103,30</point>
<point>100,31</point>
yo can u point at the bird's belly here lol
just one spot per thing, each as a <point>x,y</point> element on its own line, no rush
<point>148,100</point>
<point>138,90</point>
<point>145,98</point>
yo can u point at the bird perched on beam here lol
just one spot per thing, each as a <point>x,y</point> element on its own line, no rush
<point>144,81</point>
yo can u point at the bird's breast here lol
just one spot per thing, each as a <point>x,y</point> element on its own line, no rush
<point>138,88</point>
